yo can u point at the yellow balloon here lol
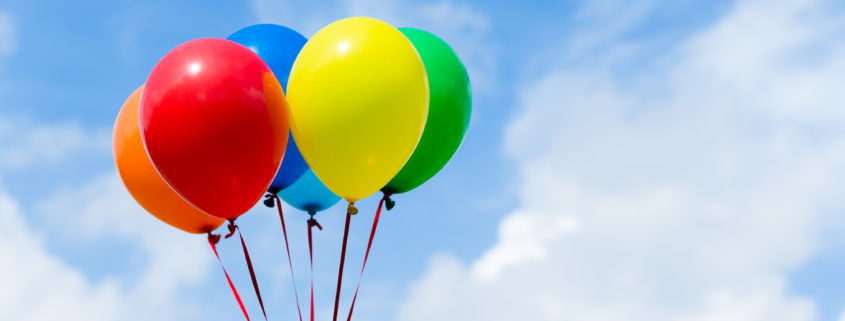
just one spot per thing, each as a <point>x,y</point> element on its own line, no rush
<point>358,97</point>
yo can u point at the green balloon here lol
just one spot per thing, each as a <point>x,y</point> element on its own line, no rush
<point>450,105</point>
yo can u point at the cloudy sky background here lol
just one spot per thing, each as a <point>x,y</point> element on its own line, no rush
<point>649,160</point>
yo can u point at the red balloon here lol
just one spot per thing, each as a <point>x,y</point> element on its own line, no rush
<point>214,122</point>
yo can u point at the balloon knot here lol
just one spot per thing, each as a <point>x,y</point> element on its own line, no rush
<point>351,210</point>
<point>232,227</point>
<point>388,203</point>
<point>313,222</point>
<point>213,238</point>
<point>268,200</point>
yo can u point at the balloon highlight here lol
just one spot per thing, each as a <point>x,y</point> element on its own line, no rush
<point>215,124</point>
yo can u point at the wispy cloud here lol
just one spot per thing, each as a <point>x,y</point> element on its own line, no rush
<point>26,144</point>
<point>8,34</point>
<point>460,24</point>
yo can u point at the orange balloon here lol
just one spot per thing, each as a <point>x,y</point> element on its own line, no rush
<point>144,182</point>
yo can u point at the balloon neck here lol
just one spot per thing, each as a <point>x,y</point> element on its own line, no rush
<point>351,209</point>
<point>388,190</point>
<point>312,211</point>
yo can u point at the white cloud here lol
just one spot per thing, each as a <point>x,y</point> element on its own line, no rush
<point>8,34</point>
<point>33,279</point>
<point>685,191</point>
<point>100,211</point>
<point>103,208</point>
<point>23,144</point>
<point>842,318</point>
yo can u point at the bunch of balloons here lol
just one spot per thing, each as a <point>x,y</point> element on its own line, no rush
<point>360,107</point>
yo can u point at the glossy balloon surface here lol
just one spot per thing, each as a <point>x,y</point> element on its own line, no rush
<point>449,109</point>
<point>293,167</point>
<point>143,182</point>
<point>214,122</point>
<point>278,46</point>
<point>309,194</point>
<point>359,98</point>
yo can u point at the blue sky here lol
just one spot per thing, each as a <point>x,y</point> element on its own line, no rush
<point>662,160</point>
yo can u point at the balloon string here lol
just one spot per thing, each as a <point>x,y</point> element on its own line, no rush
<point>212,241</point>
<point>287,248</point>
<point>349,213</point>
<point>367,253</point>
<point>232,229</point>
<point>312,223</point>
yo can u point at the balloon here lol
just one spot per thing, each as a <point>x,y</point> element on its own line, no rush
<point>278,46</point>
<point>144,183</point>
<point>358,97</point>
<point>293,167</point>
<point>215,124</point>
<point>309,194</point>
<point>449,109</point>
<point>275,44</point>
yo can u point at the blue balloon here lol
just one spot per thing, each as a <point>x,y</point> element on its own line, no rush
<point>309,194</point>
<point>292,168</point>
<point>278,46</point>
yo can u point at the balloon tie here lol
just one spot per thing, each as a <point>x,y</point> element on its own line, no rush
<point>232,228</point>
<point>367,253</point>
<point>349,212</point>
<point>271,197</point>
<point>212,241</point>
<point>312,223</point>
<point>268,200</point>
<point>213,238</point>
<point>388,203</point>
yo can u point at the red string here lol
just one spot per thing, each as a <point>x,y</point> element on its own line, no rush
<point>312,223</point>
<point>367,254</point>
<point>287,248</point>
<point>340,268</point>
<point>212,240</point>
<point>232,228</point>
